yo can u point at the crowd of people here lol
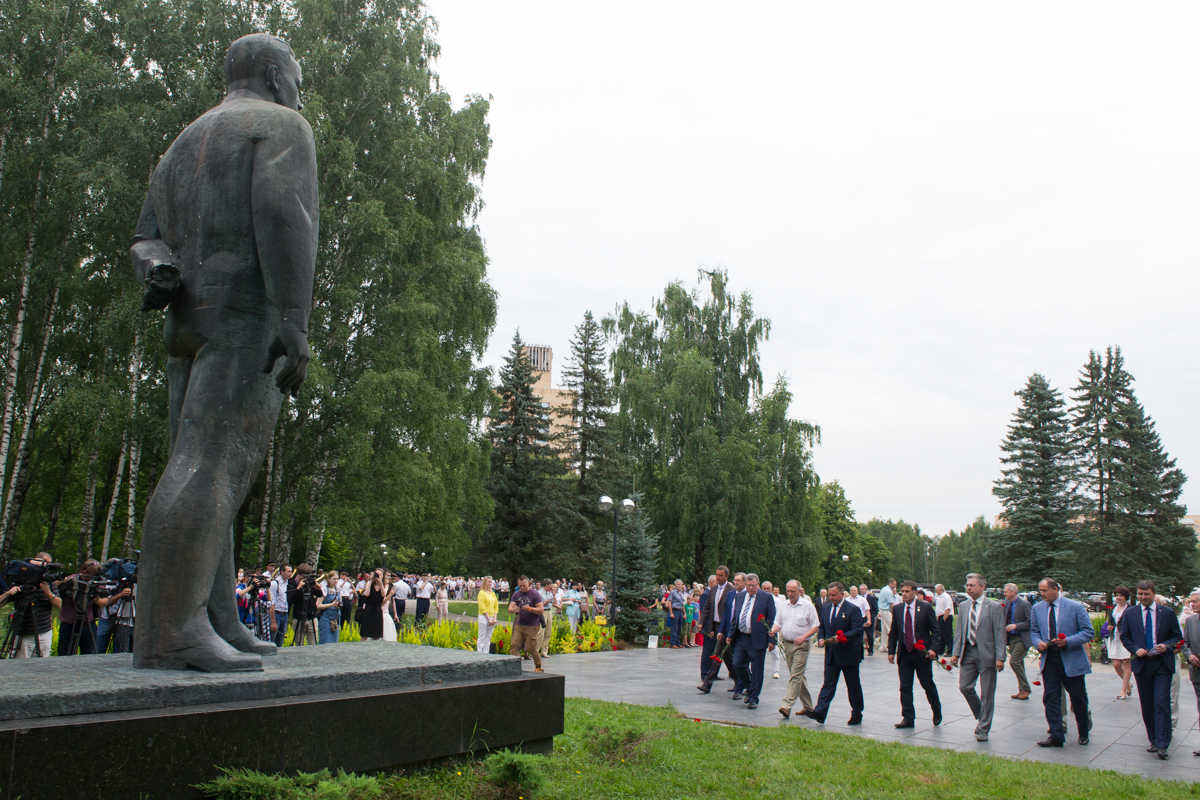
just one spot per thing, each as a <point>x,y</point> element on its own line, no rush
<point>742,620</point>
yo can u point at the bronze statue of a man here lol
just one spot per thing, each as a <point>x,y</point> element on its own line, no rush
<point>227,243</point>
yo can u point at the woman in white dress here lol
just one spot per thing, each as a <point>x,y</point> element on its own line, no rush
<point>1116,651</point>
<point>389,611</point>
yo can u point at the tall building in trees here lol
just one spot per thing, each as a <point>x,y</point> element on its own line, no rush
<point>541,361</point>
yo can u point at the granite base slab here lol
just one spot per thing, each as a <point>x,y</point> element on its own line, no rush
<point>422,703</point>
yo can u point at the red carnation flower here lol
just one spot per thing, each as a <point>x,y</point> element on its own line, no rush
<point>1062,636</point>
<point>1037,683</point>
<point>841,637</point>
<point>920,644</point>
<point>761,617</point>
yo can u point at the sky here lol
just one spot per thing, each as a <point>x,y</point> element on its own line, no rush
<point>930,202</point>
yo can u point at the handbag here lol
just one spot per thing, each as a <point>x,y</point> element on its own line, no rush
<point>358,615</point>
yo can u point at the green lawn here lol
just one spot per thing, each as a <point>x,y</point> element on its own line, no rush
<point>615,750</point>
<point>472,608</point>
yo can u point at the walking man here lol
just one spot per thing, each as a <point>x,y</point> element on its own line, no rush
<point>1191,648</point>
<point>753,617</point>
<point>979,644</point>
<point>795,624</point>
<point>841,633</point>
<point>1151,633</point>
<point>725,636</point>
<point>915,643</point>
<point>527,604</point>
<point>1060,630</point>
<point>1016,628</point>
<point>708,627</point>
<point>943,606</point>
<point>888,597</point>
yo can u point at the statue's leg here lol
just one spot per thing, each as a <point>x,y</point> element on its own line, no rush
<point>225,420</point>
<point>222,613</point>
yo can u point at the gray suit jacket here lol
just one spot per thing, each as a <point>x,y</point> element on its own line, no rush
<point>990,636</point>
<point>1191,644</point>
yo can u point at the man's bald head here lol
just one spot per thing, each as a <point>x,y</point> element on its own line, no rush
<point>265,65</point>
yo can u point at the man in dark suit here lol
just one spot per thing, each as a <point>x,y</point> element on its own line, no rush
<point>1017,615</point>
<point>841,657</point>
<point>752,618</point>
<point>712,603</point>
<point>724,640</point>
<point>873,604</point>
<point>915,640</point>
<point>1191,648</point>
<point>1150,632</point>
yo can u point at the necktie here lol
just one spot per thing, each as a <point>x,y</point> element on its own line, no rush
<point>748,602</point>
<point>910,639</point>
<point>1053,624</point>
<point>1149,625</point>
<point>974,621</point>
<point>717,603</point>
<point>1010,613</point>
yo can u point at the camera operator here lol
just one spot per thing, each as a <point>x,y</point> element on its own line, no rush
<point>107,622</point>
<point>70,626</point>
<point>302,605</point>
<point>37,628</point>
<point>280,586</point>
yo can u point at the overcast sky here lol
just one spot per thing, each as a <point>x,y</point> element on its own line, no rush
<point>930,202</point>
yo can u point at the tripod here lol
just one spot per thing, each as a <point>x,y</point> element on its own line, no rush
<point>125,611</point>
<point>306,618</point>
<point>12,640</point>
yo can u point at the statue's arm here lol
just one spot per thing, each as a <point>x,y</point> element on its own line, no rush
<point>286,215</point>
<point>152,261</point>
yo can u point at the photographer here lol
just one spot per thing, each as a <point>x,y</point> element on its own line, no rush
<point>302,605</point>
<point>108,619</point>
<point>280,587</point>
<point>328,607</point>
<point>36,634</point>
<point>72,627</point>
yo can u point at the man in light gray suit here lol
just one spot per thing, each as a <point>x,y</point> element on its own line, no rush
<point>979,643</point>
<point>1191,648</point>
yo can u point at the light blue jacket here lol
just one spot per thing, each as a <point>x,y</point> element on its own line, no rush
<point>1071,619</point>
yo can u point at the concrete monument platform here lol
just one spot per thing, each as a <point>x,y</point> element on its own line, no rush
<point>94,727</point>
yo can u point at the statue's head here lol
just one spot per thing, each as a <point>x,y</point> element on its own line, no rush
<point>264,64</point>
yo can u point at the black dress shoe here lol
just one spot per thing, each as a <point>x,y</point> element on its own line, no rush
<point>752,704</point>
<point>737,695</point>
<point>905,723</point>
<point>1083,739</point>
<point>704,687</point>
<point>1050,743</point>
<point>814,716</point>
<point>937,720</point>
<point>1163,754</point>
<point>1152,748</point>
<point>855,719</point>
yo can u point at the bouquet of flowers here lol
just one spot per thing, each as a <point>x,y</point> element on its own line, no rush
<point>920,645</point>
<point>944,664</point>
<point>841,637</point>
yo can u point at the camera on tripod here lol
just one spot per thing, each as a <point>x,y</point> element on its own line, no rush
<point>28,575</point>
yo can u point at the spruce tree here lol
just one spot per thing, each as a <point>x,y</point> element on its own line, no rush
<point>532,504</point>
<point>1037,490</point>
<point>637,568</point>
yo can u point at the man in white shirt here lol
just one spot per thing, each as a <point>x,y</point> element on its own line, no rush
<point>943,606</point>
<point>279,604</point>
<point>402,592</point>
<point>888,597</point>
<point>795,624</point>
<point>780,599</point>
<point>425,589</point>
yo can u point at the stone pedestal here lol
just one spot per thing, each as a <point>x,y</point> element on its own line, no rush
<point>93,727</point>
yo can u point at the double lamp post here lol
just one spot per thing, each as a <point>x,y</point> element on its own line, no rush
<point>627,507</point>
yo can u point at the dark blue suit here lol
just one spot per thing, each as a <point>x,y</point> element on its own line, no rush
<point>750,649</point>
<point>1154,672</point>
<point>841,659</point>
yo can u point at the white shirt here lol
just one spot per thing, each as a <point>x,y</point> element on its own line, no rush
<point>425,590</point>
<point>942,603</point>
<point>345,589</point>
<point>747,611</point>
<point>279,589</point>
<point>795,620</point>
<point>722,594</point>
<point>862,604</point>
<point>403,591</point>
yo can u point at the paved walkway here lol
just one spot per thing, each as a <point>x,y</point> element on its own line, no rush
<point>1118,739</point>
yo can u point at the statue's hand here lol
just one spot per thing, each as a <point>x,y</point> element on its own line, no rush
<point>292,344</point>
<point>162,286</point>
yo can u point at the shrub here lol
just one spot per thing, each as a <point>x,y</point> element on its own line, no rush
<point>628,746</point>
<point>515,774</point>
<point>237,784</point>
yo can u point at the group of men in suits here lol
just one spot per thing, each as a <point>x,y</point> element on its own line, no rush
<point>739,618</point>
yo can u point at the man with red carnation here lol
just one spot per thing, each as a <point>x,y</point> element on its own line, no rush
<point>752,618</point>
<point>841,633</point>
<point>1061,630</point>
<point>915,640</point>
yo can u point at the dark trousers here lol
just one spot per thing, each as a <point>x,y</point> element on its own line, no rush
<point>422,608</point>
<point>748,662</point>
<point>673,621</point>
<point>87,637</point>
<point>727,660</point>
<point>1154,692</point>
<point>946,631</point>
<point>916,662</point>
<point>346,608</point>
<point>829,687</point>
<point>1054,681</point>
<point>706,663</point>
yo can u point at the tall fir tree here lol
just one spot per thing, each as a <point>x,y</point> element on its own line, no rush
<point>533,504</point>
<point>1037,490</point>
<point>637,569</point>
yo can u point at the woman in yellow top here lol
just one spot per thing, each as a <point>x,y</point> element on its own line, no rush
<point>489,607</point>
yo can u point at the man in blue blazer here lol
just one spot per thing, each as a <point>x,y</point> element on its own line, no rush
<point>723,633</point>
<point>839,615</point>
<point>751,620</point>
<point>1153,663</point>
<point>1060,630</point>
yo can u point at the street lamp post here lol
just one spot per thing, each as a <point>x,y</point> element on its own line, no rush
<point>627,507</point>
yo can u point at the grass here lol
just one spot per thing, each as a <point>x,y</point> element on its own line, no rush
<point>615,750</point>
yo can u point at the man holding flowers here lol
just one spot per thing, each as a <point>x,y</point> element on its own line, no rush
<point>915,640</point>
<point>841,633</point>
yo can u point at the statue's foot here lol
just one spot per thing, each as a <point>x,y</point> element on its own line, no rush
<point>241,639</point>
<point>203,659</point>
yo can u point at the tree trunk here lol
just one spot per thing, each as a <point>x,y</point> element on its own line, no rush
<point>87,525</point>
<point>314,545</point>
<point>135,459</point>
<point>20,487</point>
<point>116,496</point>
<point>266,506</point>
<point>52,526</point>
